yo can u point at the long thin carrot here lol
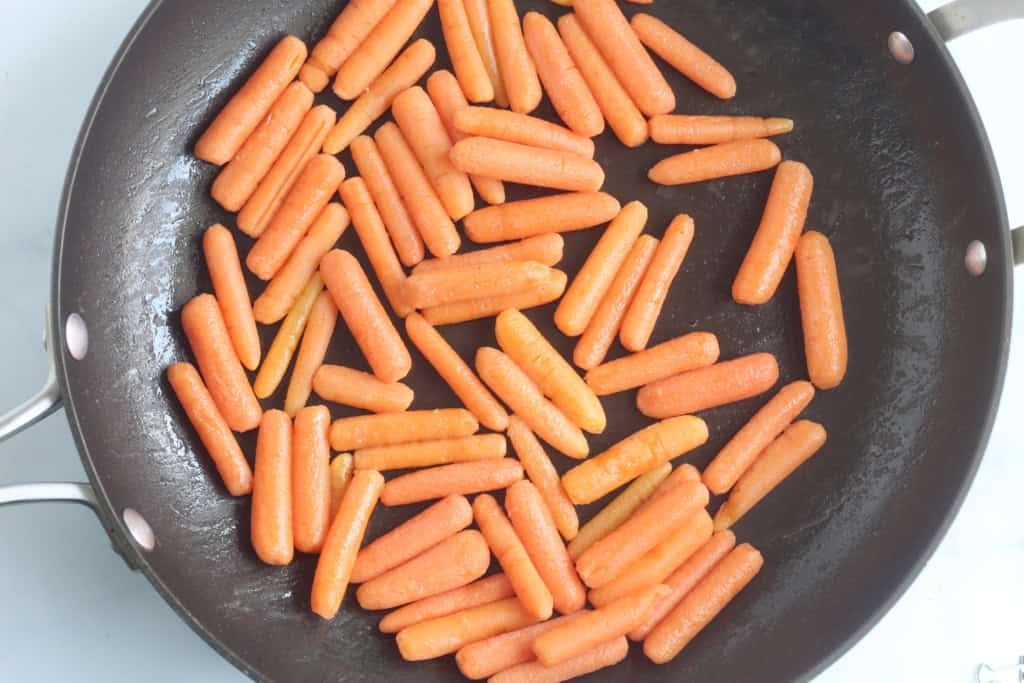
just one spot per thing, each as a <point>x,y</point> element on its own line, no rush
<point>530,217</point>
<point>312,350</point>
<point>338,384</point>
<point>480,24</point>
<point>460,477</point>
<point>272,490</point>
<point>550,289</point>
<point>311,478</point>
<point>709,387</point>
<point>341,474</point>
<point>366,431</point>
<point>521,128</point>
<point>466,59</point>
<point>682,354</point>
<point>349,29</point>
<point>679,129</point>
<point>432,453</point>
<point>462,283</point>
<point>527,165</point>
<point>444,635</point>
<point>687,58</point>
<point>517,70</point>
<point>482,592</point>
<point>821,311</point>
<point>281,350</point>
<point>545,249</point>
<point>544,476</point>
<point>718,161</point>
<point>232,294</point>
<point>604,655</point>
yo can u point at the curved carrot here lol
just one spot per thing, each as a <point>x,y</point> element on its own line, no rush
<point>272,490</point>
<point>527,165</point>
<point>213,431</point>
<point>684,56</point>
<point>466,59</point>
<point>315,340</point>
<point>461,477</point>
<point>689,352</point>
<point>718,161</point>
<point>544,476</point>
<point>821,310</point>
<point>232,293</point>
<point>530,217</point>
<point>462,283</point>
<point>545,249</point>
<point>517,70</point>
<point>432,453</point>
<point>281,350</point>
<point>444,635</point>
<point>524,129</point>
<point>366,431</point>
<point>311,478</point>
<point>338,384</point>
<point>341,475</point>
<point>545,292</point>
<point>482,592</point>
<point>677,129</point>
<point>487,657</point>
<point>479,20</point>
<point>604,655</point>
<point>709,387</point>
<point>349,29</point>
<point>242,114</point>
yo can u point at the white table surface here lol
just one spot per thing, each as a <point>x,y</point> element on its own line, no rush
<point>71,610</point>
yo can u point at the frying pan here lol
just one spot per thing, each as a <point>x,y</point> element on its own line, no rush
<point>906,189</point>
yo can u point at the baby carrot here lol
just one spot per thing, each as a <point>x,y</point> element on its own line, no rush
<point>366,431</point>
<point>544,476</point>
<point>482,592</point>
<point>444,635</point>
<point>480,25</point>
<point>542,363</point>
<point>545,249</point>
<point>365,316</point>
<point>279,356</point>
<point>527,165</point>
<point>821,311</point>
<point>460,477</point>
<point>432,221</point>
<point>684,56</point>
<point>368,61</point>
<point>623,117</point>
<point>703,603</point>
<point>780,459</point>
<point>219,365</point>
<point>311,478</point>
<point>530,217</point>
<point>432,453</point>
<point>677,129</point>
<point>314,188</point>
<point>604,655</point>
<point>454,562</point>
<point>232,294</point>
<point>312,349</point>
<point>607,27</point>
<point>709,387</point>
<point>374,103</point>
<point>680,475</point>
<point>334,567</point>
<point>689,352</point>
<point>338,384</point>
<point>243,113</point>
<point>519,393</point>
<point>718,161</point>
<point>466,59</point>
<point>518,73</point>
<point>349,29</point>
<point>508,548</point>
<point>442,520</point>
<point>272,490</point>
<point>634,455</point>
<point>462,283</point>
<point>341,475</point>
<point>545,292</point>
<point>521,128</point>
<point>238,180</point>
<point>277,183</point>
<point>639,321</point>
<point>777,235</point>
<point>485,658</point>
<point>595,277</point>
<point>213,431</point>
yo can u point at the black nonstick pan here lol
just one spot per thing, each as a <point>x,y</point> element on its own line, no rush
<point>906,189</point>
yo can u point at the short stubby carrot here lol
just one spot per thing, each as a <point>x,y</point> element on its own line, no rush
<point>462,283</point>
<point>312,350</point>
<point>643,451</point>
<point>432,453</point>
<point>776,238</point>
<point>461,477</point>
<point>272,490</point>
<point>279,355</point>
<point>311,478</point>
<point>518,73</point>
<point>365,316</point>
<point>791,449</point>
<point>602,656</point>
<point>718,161</point>
<point>544,476</point>
<point>639,321</point>
<point>703,603</point>
<point>341,474</point>
<point>487,657</point>
<point>550,289</point>
<point>682,354</point>
<point>452,563</point>
<point>346,33</point>
<point>349,387</point>
<point>242,114</point>
<point>218,363</point>
<point>411,538</point>
<point>522,128</point>
<point>482,592</point>
<point>465,56</point>
<point>213,431</point>
<point>334,567</point>
<point>366,431</point>
<point>232,293</point>
<point>679,129</point>
<point>684,56</point>
<point>538,166</point>
<point>530,217</point>
<point>545,249</point>
<point>444,635</point>
<point>709,387</point>
<point>821,311</point>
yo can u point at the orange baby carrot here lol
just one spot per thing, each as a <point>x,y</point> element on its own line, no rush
<point>338,384</point>
<point>607,27</point>
<point>316,185</point>
<point>374,237</point>
<point>689,352</point>
<point>709,387</point>
<point>277,183</point>
<point>718,161</point>
<point>238,180</point>
<point>462,283</point>
<point>518,73</point>
<point>243,113</point>
<point>219,365</point>
<point>517,390</point>
<point>821,311</point>
<point>623,117</point>
<point>374,54</point>
<point>703,603</point>
<point>311,478</point>
<point>315,340</point>
<point>777,235</point>
<point>232,294</point>
<point>372,104</point>
<point>272,490</point>
<point>766,425</point>
<point>684,56</point>
<point>281,350</point>
<point>680,475</point>
<point>366,431</point>
<point>545,292</point>
<point>542,363</point>
<point>580,302</point>
<point>432,453</point>
<point>487,657</point>
<point>521,128</point>
<point>444,635</point>
<point>466,59</point>
<point>213,431</point>
<point>634,455</point>
<point>511,554</point>
<point>482,592</point>
<point>342,543</point>
<point>527,165</point>
<point>545,249</point>
<point>780,459</point>
<point>642,315</point>
<point>349,29</point>
<point>604,655</point>
<point>544,476</point>
<point>432,221</point>
<point>479,20</point>
<point>530,217</point>
<point>365,316</point>
<point>460,477</point>
<point>443,519</point>
<point>341,475</point>
<point>677,129</point>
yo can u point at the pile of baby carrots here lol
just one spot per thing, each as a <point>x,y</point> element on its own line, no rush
<point>653,564</point>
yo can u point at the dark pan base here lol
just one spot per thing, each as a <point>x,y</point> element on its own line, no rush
<point>904,182</point>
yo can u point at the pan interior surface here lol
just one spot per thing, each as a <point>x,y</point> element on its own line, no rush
<point>904,181</point>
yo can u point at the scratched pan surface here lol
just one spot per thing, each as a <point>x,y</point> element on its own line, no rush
<point>904,182</point>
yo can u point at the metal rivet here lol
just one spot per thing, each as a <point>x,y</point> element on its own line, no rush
<point>139,528</point>
<point>77,336</point>
<point>900,47</point>
<point>976,258</point>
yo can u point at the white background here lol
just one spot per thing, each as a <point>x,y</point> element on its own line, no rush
<point>71,610</point>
